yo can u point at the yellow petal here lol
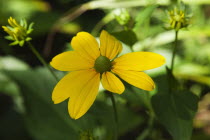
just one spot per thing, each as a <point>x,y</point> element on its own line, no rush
<point>138,61</point>
<point>137,79</point>
<point>68,84</point>
<point>84,94</point>
<point>6,29</point>
<point>109,45</point>
<point>86,45</point>
<point>70,61</point>
<point>112,83</point>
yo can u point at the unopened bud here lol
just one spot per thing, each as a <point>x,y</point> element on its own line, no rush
<point>177,19</point>
<point>122,16</point>
<point>18,32</point>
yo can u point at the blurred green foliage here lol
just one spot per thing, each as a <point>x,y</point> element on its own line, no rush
<point>27,112</point>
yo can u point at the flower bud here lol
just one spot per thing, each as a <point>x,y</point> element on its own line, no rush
<point>177,19</point>
<point>18,32</point>
<point>122,16</point>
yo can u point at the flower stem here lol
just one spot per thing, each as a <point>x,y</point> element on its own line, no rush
<point>115,113</point>
<point>114,107</point>
<point>36,53</point>
<point>150,124</point>
<point>148,130</point>
<point>174,50</point>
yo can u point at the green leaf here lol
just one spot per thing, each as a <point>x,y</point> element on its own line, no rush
<point>6,85</point>
<point>21,43</point>
<point>9,117</point>
<point>25,24</point>
<point>30,27</point>
<point>47,121</point>
<point>143,16</point>
<point>14,43</point>
<point>29,31</point>
<point>176,111</point>
<point>128,37</point>
<point>9,38</point>
<point>44,120</point>
<point>10,88</point>
<point>28,38</point>
<point>186,103</point>
<point>12,63</point>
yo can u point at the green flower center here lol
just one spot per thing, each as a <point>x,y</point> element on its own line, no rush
<point>102,64</point>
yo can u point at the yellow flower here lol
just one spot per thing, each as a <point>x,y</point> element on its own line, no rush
<point>90,64</point>
<point>18,32</point>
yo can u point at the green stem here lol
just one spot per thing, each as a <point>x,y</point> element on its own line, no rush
<point>147,131</point>
<point>115,113</point>
<point>174,51</point>
<point>114,107</point>
<point>36,53</point>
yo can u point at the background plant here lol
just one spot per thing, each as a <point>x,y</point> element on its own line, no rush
<point>27,111</point>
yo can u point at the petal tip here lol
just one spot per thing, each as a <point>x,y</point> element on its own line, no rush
<point>151,88</point>
<point>163,59</point>
<point>74,116</point>
<point>55,102</point>
<point>103,30</point>
<point>82,34</point>
<point>120,92</point>
<point>117,92</point>
<point>51,63</point>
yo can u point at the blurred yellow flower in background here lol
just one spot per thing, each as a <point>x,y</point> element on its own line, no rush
<point>90,64</point>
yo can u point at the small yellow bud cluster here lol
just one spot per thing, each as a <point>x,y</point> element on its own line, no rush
<point>18,33</point>
<point>177,19</point>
